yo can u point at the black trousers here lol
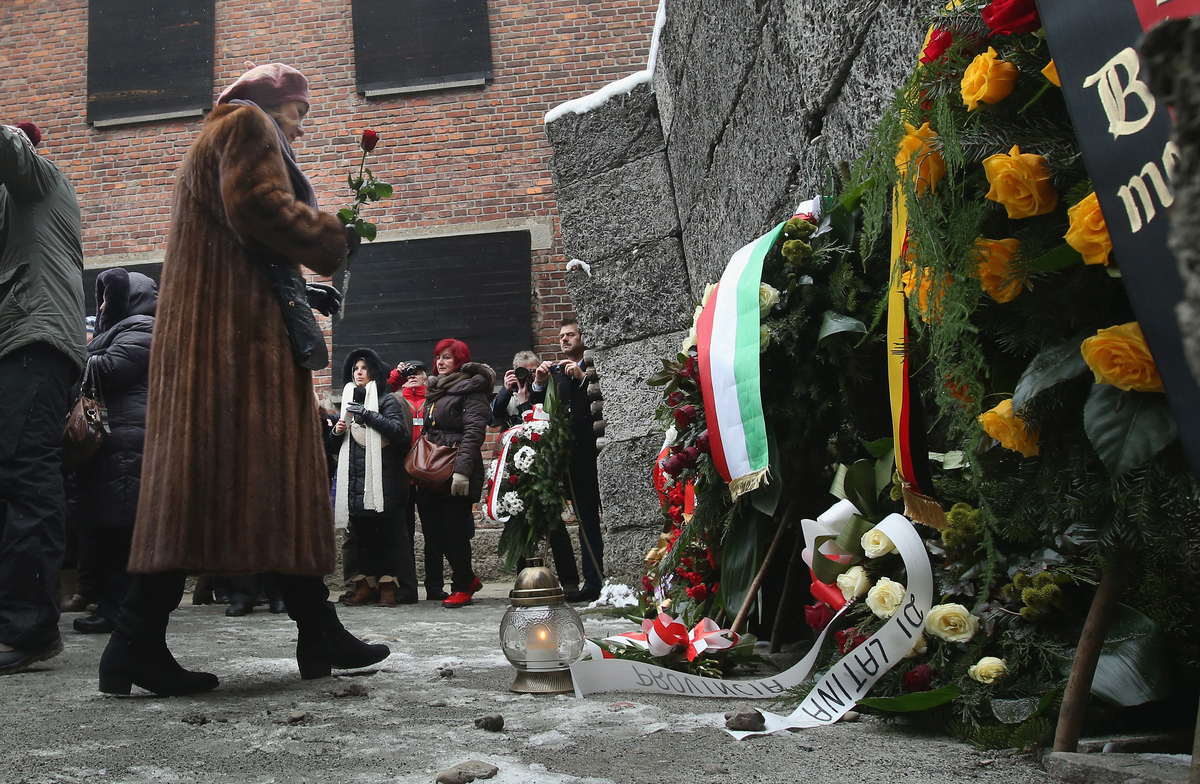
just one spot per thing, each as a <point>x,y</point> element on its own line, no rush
<point>35,397</point>
<point>246,588</point>
<point>589,527</point>
<point>106,551</point>
<point>449,527</point>
<point>564,558</point>
<point>377,538</point>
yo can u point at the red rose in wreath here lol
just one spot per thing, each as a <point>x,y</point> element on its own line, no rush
<point>1008,17</point>
<point>919,678</point>
<point>939,41</point>
<point>513,479</point>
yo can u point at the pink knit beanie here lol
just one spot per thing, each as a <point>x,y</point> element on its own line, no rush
<point>268,85</point>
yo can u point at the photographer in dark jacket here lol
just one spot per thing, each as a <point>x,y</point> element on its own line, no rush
<point>516,396</point>
<point>103,491</point>
<point>375,434</point>
<point>570,377</point>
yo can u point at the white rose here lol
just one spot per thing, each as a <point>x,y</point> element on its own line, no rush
<point>885,597</point>
<point>876,543</point>
<point>854,583</point>
<point>689,341</point>
<point>708,291</point>
<point>952,623</point>
<point>768,297</point>
<point>988,669</point>
<point>919,647</point>
<point>696,314</point>
<point>764,339</point>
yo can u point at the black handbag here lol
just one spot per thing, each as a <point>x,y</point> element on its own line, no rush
<point>308,342</point>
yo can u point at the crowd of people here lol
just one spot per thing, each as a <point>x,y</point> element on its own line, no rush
<point>216,459</point>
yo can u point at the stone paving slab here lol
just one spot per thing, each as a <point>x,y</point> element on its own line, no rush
<point>1075,768</point>
<point>403,722</point>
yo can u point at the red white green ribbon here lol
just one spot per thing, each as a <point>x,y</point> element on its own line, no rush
<point>727,340</point>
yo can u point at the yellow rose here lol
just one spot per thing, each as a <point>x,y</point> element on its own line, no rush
<point>876,543</point>
<point>994,256</point>
<point>1119,356</point>
<point>1009,429</point>
<point>920,144</point>
<point>952,623</point>
<point>885,597</point>
<point>1088,233</point>
<point>920,282</point>
<point>1020,182</point>
<point>764,338</point>
<point>919,647</point>
<point>854,583</point>
<point>987,80</point>
<point>1051,74</point>
<point>988,669</point>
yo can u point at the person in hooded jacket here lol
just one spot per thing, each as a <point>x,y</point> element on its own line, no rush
<point>457,411</point>
<point>372,489</point>
<point>104,489</point>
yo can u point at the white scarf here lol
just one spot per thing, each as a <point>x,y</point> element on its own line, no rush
<point>373,481</point>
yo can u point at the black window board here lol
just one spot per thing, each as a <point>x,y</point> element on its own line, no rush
<point>149,57</point>
<point>406,296</point>
<point>410,43</point>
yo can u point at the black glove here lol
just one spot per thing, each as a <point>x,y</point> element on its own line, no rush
<point>323,297</point>
<point>355,410</point>
<point>353,241</point>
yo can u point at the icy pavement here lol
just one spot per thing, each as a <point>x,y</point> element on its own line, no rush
<point>405,722</point>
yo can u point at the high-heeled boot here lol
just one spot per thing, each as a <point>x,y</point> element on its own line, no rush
<point>137,652</point>
<point>322,643</point>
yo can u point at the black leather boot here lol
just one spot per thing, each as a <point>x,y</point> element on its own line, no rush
<point>322,643</point>
<point>137,652</point>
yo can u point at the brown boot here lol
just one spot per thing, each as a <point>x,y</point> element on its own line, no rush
<point>363,594</point>
<point>387,594</point>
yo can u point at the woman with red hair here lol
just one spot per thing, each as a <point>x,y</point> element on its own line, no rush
<point>457,411</point>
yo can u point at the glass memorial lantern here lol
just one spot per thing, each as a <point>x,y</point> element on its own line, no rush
<point>540,634</point>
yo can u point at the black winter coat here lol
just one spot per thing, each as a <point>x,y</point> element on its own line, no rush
<point>394,422</point>
<point>104,489</point>
<point>460,415</point>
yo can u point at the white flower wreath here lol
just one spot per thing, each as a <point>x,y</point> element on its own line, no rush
<point>513,503</point>
<point>523,459</point>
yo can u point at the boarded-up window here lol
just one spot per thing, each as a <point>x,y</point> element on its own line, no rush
<point>412,45</point>
<point>149,60</point>
<point>406,296</point>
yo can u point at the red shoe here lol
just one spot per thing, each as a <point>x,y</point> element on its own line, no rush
<point>457,599</point>
<point>476,586</point>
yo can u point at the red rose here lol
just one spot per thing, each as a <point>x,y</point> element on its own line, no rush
<point>690,456</point>
<point>647,584</point>
<point>689,368</point>
<point>1007,17</point>
<point>818,616</point>
<point>939,42</point>
<point>849,639</point>
<point>675,495</point>
<point>685,415</point>
<point>513,479</point>
<point>704,443</point>
<point>676,513</point>
<point>699,593</point>
<point>673,465</point>
<point>369,140</point>
<point>674,399</point>
<point>919,678</point>
<point>535,437</point>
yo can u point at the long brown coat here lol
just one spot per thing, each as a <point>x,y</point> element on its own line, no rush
<point>234,478</point>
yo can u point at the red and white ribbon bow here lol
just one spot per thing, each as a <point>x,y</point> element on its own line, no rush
<point>664,634</point>
<point>707,637</point>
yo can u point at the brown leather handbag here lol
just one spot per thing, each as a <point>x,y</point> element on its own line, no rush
<point>430,465</point>
<point>87,423</point>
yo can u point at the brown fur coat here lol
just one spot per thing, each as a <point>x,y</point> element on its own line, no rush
<point>234,477</point>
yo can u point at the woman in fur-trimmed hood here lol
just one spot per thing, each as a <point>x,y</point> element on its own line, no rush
<point>372,437</point>
<point>457,412</point>
<point>234,478</point>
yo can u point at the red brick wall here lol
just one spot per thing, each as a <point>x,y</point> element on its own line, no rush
<point>458,156</point>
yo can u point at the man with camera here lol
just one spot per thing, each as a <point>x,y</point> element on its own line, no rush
<point>571,377</point>
<point>41,355</point>
<point>516,396</point>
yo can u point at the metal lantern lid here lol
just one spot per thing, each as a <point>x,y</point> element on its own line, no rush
<point>536,586</point>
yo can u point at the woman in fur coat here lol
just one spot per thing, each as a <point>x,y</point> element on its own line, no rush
<point>457,411</point>
<point>372,438</point>
<point>234,479</point>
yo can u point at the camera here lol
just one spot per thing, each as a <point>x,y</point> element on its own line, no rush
<point>556,369</point>
<point>523,375</point>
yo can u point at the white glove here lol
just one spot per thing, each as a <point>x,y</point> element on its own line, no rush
<point>460,485</point>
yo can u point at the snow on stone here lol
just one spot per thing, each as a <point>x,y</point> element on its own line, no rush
<point>624,86</point>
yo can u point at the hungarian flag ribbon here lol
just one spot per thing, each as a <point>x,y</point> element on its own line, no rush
<point>727,341</point>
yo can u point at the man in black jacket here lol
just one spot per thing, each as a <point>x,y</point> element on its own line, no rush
<point>570,376</point>
<point>41,356</point>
